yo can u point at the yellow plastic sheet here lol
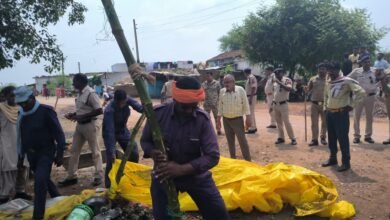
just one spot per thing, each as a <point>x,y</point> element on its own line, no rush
<point>246,185</point>
<point>58,210</point>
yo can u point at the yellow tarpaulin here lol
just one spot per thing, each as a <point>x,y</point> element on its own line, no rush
<point>247,185</point>
<point>242,184</point>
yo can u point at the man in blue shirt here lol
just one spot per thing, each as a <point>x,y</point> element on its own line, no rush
<point>381,64</point>
<point>115,130</point>
<point>40,136</point>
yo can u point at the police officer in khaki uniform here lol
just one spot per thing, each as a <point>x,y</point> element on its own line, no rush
<point>88,108</point>
<point>251,93</point>
<point>166,91</point>
<point>212,89</point>
<point>365,75</point>
<point>316,87</point>
<point>268,91</point>
<point>282,87</point>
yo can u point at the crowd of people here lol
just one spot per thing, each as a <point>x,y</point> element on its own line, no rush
<point>31,134</point>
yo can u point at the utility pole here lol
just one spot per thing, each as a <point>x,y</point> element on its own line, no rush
<point>78,64</point>
<point>136,40</point>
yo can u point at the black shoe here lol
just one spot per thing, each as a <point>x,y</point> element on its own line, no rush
<point>369,140</point>
<point>252,131</point>
<point>22,195</point>
<point>313,143</point>
<point>386,142</point>
<point>323,141</point>
<point>67,182</point>
<point>343,168</point>
<point>356,140</point>
<point>96,181</point>
<point>279,141</point>
<point>330,162</point>
<point>293,142</point>
<point>271,126</point>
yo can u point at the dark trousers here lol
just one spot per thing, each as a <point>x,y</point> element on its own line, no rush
<point>204,193</point>
<point>41,166</point>
<point>235,127</point>
<point>134,157</point>
<point>338,129</point>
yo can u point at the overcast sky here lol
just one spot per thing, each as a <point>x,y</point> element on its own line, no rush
<point>169,30</point>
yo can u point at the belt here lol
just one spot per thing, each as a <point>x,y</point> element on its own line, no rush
<point>317,103</point>
<point>86,121</point>
<point>232,118</point>
<point>371,94</point>
<point>280,103</point>
<point>336,109</point>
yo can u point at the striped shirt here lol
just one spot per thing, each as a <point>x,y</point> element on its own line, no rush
<point>233,104</point>
<point>338,93</point>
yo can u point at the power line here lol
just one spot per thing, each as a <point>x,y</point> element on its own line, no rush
<point>204,17</point>
<point>218,21</point>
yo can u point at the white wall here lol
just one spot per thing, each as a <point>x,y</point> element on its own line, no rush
<point>256,68</point>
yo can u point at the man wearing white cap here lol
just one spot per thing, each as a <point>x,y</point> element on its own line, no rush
<point>41,138</point>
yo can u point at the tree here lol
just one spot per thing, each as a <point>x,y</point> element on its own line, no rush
<point>299,34</point>
<point>24,30</point>
<point>231,41</point>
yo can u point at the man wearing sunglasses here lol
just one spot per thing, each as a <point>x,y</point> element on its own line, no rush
<point>365,75</point>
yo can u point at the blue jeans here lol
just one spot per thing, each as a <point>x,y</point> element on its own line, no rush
<point>41,166</point>
<point>204,193</point>
<point>338,129</point>
<point>134,157</point>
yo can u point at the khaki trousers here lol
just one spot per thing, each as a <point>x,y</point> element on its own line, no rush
<point>272,113</point>
<point>368,105</point>
<point>86,132</point>
<point>235,127</point>
<point>281,117</point>
<point>317,111</point>
<point>252,111</point>
<point>213,109</point>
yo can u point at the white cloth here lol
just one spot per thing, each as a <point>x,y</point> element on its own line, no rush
<point>8,151</point>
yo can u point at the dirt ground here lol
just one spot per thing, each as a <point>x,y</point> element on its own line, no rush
<point>366,185</point>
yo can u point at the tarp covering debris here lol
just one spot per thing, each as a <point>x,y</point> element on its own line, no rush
<point>247,185</point>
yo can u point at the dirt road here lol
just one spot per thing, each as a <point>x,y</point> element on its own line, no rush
<point>366,185</point>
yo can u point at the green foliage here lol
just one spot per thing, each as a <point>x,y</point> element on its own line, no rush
<point>96,81</point>
<point>231,41</point>
<point>299,34</point>
<point>24,30</point>
<point>57,81</point>
<point>228,69</point>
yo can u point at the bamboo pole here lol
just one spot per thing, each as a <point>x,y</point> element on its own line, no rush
<point>129,148</point>
<point>173,202</point>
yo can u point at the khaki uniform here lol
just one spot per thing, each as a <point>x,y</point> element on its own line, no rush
<point>280,108</point>
<point>251,83</point>
<point>366,80</point>
<point>354,59</point>
<point>166,92</point>
<point>212,90</point>
<point>316,88</point>
<point>268,91</point>
<point>86,102</point>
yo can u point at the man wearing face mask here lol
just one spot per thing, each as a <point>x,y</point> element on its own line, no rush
<point>41,138</point>
<point>365,75</point>
<point>192,150</point>
<point>115,128</point>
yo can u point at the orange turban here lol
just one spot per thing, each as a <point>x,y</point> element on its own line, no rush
<point>187,95</point>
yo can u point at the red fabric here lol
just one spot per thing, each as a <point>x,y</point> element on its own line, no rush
<point>187,95</point>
